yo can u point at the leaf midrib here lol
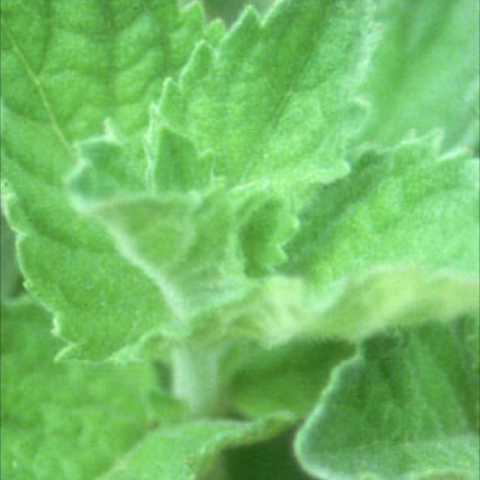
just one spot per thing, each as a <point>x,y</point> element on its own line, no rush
<point>54,123</point>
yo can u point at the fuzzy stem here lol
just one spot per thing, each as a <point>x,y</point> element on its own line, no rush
<point>196,380</point>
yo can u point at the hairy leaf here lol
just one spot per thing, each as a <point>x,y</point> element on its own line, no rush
<point>426,71</point>
<point>393,243</point>
<point>205,235</point>
<point>64,421</point>
<point>288,378</point>
<point>405,408</point>
<point>92,422</point>
<point>274,105</point>
<point>66,68</point>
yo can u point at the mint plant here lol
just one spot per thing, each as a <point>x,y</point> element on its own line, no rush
<point>231,232</point>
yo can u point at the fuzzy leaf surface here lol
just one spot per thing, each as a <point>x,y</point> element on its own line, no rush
<point>274,105</point>
<point>405,408</point>
<point>66,68</point>
<point>393,244</point>
<point>186,451</point>
<point>425,73</point>
<point>288,378</point>
<point>94,422</point>
<point>198,246</point>
<point>396,242</point>
<point>64,421</point>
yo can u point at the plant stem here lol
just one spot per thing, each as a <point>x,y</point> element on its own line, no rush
<point>196,380</point>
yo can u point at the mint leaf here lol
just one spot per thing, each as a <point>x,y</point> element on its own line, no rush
<point>168,236</point>
<point>425,74</point>
<point>199,246</point>
<point>288,378</point>
<point>396,269</point>
<point>301,66</point>
<point>64,421</point>
<point>408,204</point>
<point>66,69</point>
<point>198,191</point>
<point>128,428</point>
<point>187,450</point>
<point>406,407</point>
<point>393,243</point>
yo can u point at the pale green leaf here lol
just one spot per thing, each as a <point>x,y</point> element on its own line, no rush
<point>404,206</point>
<point>60,421</point>
<point>395,242</point>
<point>185,242</point>
<point>265,222</point>
<point>425,73</point>
<point>406,408</point>
<point>274,106</point>
<point>187,451</point>
<point>66,68</point>
<point>206,250</point>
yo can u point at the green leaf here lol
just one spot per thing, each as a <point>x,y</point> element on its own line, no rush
<point>265,222</point>
<point>10,281</point>
<point>197,169</point>
<point>396,242</point>
<point>64,421</point>
<point>288,378</point>
<point>66,68</point>
<point>407,205</point>
<point>405,408</point>
<point>274,106</point>
<point>186,451</point>
<point>206,250</point>
<point>396,268</point>
<point>426,71</point>
<point>95,422</point>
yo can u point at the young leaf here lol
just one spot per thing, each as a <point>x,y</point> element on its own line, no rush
<point>395,242</point>
<point>404,205</point>
<point>65,69</point>
<point>426,71</point>
<point>413,256</point>
<point>185,242</point>
<point>64,421</point>
<point>274,104</point>
<point>406,407</point>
